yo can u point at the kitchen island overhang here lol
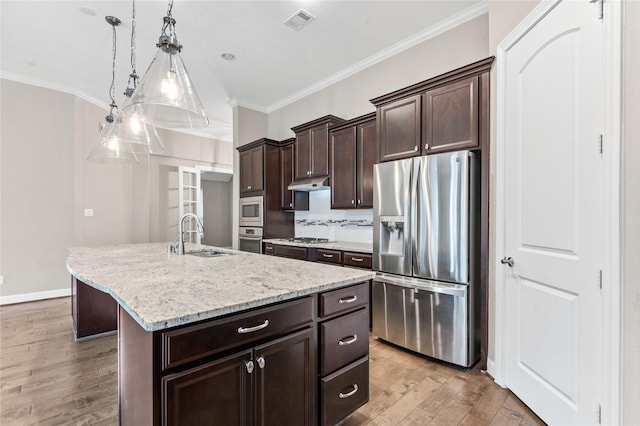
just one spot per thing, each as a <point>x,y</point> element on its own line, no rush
<point>170,304</point>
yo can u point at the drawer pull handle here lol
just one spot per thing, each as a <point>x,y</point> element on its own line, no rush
<point>348,299</point>
<point>357,259</point>
<point>330,256</point>
<point>261,362</point>
<point>243,330</point>
<point>249,365</point>
<point>348,340</point>
<point>348,394</point>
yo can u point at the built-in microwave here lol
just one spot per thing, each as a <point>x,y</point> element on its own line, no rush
<point>252,211</point>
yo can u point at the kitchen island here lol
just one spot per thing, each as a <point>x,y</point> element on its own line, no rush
<point>232,338</point>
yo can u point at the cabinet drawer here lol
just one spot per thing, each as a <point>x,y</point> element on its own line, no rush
<point>344,391</point>
<point>344,299</point>
<point>343,340</point>
<point>182,345</point>
<point>359,260</point>
<point>291,252</point>
<point>329,256</point>
<point>268,249</point>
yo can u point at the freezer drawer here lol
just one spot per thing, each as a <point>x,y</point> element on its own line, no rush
<point>431,319</point>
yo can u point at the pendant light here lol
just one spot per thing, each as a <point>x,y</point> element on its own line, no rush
<point>110,147</point>
<point>165,95</point>
<point>141,135</point>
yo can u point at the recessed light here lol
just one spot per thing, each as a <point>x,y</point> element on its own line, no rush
<point>228,56</point>
<point>87,11</point>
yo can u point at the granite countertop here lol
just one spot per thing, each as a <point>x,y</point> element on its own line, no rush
<point>333,245</point>
<point>161,290</point>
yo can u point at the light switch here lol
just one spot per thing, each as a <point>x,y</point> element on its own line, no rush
<point>88,212</point>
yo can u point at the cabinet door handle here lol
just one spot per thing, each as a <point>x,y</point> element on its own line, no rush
<point>348,299</point>
<point>415,148</point>
<point>348,340</point>
<point>243,330</point>
<point>359,202</point>
<point>357,259</point>
<point>249,187</point>
<point>261,362</point>
<point>330,256</point>
<point>290,204</point>
<point>426,146</point>
<point>249,366</point>
<point>353,202</point>
<point>348,394</point>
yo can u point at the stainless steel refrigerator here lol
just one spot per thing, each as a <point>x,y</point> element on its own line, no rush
<point>426,247</point>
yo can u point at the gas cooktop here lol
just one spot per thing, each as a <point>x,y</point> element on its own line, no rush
<point>308,240</point>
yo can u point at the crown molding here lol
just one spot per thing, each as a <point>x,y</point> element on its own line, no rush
<point>429,33</point>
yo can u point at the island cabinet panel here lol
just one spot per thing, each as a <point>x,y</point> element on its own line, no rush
<point>343,300</point>
<point>94,312</point>
<point>285,374</point>
<point>219,392</point>
<point>190,343</point>
<point>343,340</point>
<point>344,349</point>
<point>450,118</point>
<point>344,391</point>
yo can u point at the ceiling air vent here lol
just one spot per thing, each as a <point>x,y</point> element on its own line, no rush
<point>299,20</point>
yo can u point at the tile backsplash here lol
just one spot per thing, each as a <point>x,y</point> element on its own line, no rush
<point>336,225</point>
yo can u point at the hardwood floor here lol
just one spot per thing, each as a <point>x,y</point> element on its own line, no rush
<point>46,378</point>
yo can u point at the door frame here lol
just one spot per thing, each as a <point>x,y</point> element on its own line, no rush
<point>612,274</point>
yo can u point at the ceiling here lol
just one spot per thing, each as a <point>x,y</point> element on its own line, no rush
<point>67,45</point>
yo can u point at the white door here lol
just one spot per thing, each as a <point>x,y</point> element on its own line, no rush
<point>190,201</point>
<point>554,215</point>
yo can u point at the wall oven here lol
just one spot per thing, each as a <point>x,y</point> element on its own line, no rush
<point>250,239</point>
<point>252,211</point>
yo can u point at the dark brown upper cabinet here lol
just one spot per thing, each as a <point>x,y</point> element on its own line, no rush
<point>450,117</point>
<point>436,115</point>
<point>290,200</point>
<point>400,124</point>
<point>251,171</point>
<point>352,153</point>
<point>311,153</point>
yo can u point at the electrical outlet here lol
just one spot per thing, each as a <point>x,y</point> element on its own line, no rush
<point>88,212</point>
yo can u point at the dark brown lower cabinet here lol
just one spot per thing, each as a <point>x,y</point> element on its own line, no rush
<point>271,384</point>
<point>215,393</point>
<point>256,367</point>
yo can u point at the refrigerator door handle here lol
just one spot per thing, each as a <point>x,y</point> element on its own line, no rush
<point>414,213</point>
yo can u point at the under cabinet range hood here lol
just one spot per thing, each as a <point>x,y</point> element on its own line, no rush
<point>310,184</point>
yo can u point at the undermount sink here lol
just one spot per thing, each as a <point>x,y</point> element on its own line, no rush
<point>209,253</point>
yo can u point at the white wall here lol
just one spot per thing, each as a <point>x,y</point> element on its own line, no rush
<point>37,179</point>
<point>631,220</point>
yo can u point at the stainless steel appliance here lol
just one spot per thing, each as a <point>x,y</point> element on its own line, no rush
<point>250,239</point>
<point>425,244</point>
<point>252,211</point>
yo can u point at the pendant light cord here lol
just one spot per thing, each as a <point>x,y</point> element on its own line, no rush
<point>133,77</point>
<point>113,104</point>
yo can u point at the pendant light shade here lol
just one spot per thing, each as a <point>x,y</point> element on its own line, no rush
<point>135,131</point>
<point>165,94</point>
<point>111,149</point>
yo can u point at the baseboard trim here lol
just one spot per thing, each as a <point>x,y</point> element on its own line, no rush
<point>31,297</point>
